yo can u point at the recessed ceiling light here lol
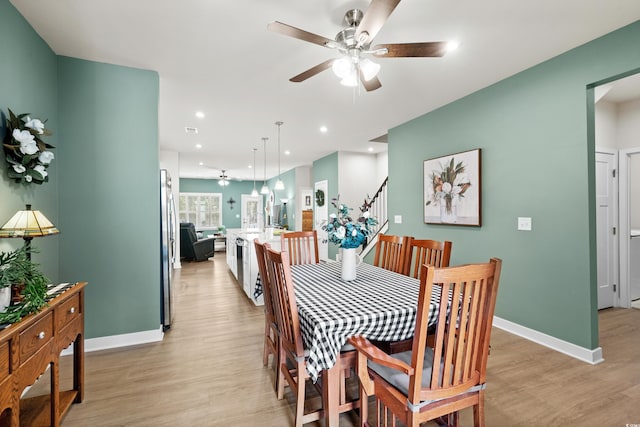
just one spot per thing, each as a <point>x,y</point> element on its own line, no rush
<point>287,152</point>
<point>323,129</point>
<point>370,149</point>
<point>201,164</point>
<point>198,145</point>
<point>250,167</point>
<point>452,45</point>
<point>199,114</point>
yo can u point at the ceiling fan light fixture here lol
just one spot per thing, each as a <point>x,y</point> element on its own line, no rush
<point>452,45</point>
<point>223,182</point>
<point>342,67</point>
<point>350,81</point>
<point>369,69</point>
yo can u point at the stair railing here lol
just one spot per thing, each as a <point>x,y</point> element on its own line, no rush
<point>378,210</point>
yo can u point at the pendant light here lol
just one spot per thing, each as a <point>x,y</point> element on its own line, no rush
<point>279,184</point>
<point>265,188</point>
<point>254,193</point>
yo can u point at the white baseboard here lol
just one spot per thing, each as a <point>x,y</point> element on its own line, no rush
<point>584,354</point>
<point>116,341</point>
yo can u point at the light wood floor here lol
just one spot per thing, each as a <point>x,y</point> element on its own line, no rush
<point>208,371</point>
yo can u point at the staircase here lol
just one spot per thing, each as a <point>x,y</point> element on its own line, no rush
<point>377,210</point>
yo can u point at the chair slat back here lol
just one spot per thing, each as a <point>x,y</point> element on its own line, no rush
<point>302,246</point>
<point>279,271</point>
<point>430,252</point>
<point>463,330</point>
<point>269,301</point>
<point>390,252</point>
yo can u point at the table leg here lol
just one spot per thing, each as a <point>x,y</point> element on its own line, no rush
<point>331,395</point>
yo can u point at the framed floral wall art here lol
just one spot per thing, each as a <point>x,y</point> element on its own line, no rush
<point>27,155</point>
<point>452,189</point>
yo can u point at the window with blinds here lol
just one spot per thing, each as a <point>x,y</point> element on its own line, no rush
<point>204,210</point>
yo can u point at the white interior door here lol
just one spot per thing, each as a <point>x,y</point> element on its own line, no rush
<point>320,217</point>
<point>606,228</point>
<point>251,211</point>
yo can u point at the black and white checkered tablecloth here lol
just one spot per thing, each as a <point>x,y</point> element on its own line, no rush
<point>257,291</point>
<point>379,304</point>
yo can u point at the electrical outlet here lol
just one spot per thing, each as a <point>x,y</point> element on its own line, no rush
<point>524,223</point>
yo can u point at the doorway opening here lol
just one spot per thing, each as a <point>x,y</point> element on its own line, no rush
<point>617,124</point>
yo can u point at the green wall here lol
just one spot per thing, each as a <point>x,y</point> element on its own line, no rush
<point>327,168</point>
<point>230,217</point>
<point>103,189</point>
<point>537,160</point>
<point>28,84</point>
<point>110,193</point>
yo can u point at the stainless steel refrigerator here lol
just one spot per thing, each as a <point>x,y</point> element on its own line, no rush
<point>167,247</point>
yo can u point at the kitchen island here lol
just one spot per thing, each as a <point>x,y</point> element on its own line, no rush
<point>241,257</point>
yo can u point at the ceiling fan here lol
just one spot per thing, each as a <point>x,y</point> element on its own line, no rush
<point>354,44</point>
<point>224,179</point>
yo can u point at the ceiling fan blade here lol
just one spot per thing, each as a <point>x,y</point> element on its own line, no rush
<point>288,30</point>
<point>371,84</point>
<point>412,50</point>
<point>312,71</point>
<point>374,18</point>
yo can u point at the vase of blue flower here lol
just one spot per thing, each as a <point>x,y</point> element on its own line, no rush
<point>349,233</point>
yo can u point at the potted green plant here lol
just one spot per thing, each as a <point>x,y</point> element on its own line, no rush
<point>24,283</point>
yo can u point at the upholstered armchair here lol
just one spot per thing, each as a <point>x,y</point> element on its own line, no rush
<point>191,248</point>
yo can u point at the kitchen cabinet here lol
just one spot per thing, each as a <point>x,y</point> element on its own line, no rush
<point>307,220</point>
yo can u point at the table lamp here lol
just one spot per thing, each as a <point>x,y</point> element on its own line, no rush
<point>28,224</point>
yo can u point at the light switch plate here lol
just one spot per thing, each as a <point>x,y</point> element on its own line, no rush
<point>524,223</point>
<point>397,219</point>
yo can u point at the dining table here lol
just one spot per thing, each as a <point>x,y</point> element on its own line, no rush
<point>379,305</point>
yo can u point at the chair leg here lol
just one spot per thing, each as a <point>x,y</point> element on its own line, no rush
<point>364,409</point>
<point>282,364</point>
<point>276,362</point>
<point>300,399</point>
<point>265,351</point>
<point>343,386</point>
<point>478,411</point>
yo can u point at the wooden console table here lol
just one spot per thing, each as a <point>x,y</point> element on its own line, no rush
<point>28,347</point>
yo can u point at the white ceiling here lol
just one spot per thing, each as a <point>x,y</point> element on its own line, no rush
<point>219,58</point>
<point>622,90</point>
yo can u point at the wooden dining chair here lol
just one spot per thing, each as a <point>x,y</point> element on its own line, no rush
<point>435,383</point>
<point>425,251</point>
<point>270,324</point>
<point>419,252</point>
<point>391,252</point>
<point>302,246</point>
<point>292,354</point>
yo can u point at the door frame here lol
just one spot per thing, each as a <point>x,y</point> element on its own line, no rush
<point>624,297</point>
<point>321,214</point>
<point>615,215</point>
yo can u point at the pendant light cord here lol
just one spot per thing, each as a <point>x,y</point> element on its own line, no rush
<point>264,147</point>
<point>254,169</point>
<point>279,123</point>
